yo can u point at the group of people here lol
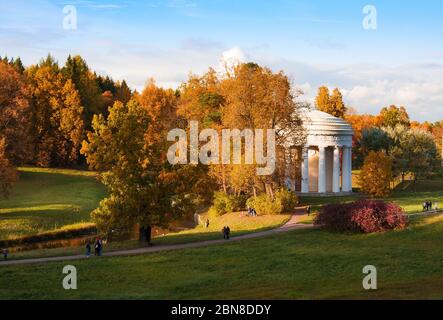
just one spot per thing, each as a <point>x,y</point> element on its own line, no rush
<point>252,212</point>
<point>429,206</point>
<point>98,247</point>
<point>226,232</point>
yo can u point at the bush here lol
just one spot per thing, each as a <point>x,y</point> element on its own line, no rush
<point>224,204</point>
<point>365,216</point>
<point>285,201</point>
<point>335,218</point>
<point>264,205</point>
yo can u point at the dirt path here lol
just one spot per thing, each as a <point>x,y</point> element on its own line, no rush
<point>292,224</point>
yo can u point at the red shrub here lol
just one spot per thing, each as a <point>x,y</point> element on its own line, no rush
<point>335,217</point>
<point>366,216</point>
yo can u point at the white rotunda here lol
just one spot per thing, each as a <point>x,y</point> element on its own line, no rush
<point>327,156</point>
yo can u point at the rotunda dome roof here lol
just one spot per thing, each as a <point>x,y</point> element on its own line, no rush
<point>321,123</point>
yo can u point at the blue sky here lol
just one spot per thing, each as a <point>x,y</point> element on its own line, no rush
<point>315,42</point>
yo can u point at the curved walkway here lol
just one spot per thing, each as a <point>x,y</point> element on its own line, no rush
<point>292,224</point>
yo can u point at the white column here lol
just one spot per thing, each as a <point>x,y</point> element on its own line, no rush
<point>322,170</point>
<point>336,171</point>
<point>305,171</point>
<point>350,169</point>
<point>346,172</point>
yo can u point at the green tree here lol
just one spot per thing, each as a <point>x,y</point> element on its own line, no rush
<point>372,139</point>
<point>421,153</point>
<point>413,151</point>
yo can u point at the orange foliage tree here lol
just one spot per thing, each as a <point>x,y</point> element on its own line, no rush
<point>14,115</point>
<point>8,174</point>
<point>376,174</point>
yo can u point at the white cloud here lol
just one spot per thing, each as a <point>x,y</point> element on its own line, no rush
<point>232,57</point>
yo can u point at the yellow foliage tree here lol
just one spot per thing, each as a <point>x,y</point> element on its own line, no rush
<point>332,104</point>
<point>376,174</point>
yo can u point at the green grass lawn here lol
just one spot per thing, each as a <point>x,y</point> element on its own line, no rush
<point>304,264</point>
<point>48,200</point>
<point>411,201</point>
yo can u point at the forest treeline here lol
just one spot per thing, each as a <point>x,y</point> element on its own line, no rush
<point>67,115</point>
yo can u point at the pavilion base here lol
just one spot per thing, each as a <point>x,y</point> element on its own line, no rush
<point>327,194</point>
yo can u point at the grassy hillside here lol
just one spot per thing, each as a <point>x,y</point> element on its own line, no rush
<point>48,199</point>
<point>301,264</point>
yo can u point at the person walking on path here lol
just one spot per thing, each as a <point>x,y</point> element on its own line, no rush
<point>228,232</point>
<point>88,248</point>
<point>5,253</point>
<point>100,247</point>
<point>308,210</point>
<point>207,223</point>
<point>96,247</point>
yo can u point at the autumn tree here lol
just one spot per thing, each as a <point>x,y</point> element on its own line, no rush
<point>393,116</point>
<point>16,63</point>
<point>257,98</point>
<point>14,115</point>
<point>123,93</point>
<point>322,100</point>
<point>361,122</point>
<point>376,174</point>
<point>86,84</point>
<point>8,174</point>
<point>130,148</point>
<point>200,100</point>
<point>332,104</point>
<point>109,89</point>
<point>57,115</point>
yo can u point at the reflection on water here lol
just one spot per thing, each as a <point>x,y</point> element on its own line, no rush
<point>66,243</point>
